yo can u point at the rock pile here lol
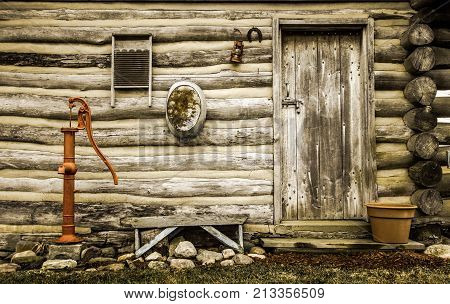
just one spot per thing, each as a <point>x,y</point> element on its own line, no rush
<point>181,254</point>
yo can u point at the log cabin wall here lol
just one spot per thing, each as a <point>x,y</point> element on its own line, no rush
<point>51,51</point>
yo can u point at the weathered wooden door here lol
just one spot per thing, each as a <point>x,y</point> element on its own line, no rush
<point>323,110</point>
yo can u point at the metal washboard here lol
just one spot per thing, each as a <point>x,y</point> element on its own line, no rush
<point>131,63</point>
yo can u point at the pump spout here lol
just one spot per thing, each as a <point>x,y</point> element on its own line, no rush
<point>85,122</point>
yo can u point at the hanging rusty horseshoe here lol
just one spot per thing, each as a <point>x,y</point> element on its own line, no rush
<point>250,32</point>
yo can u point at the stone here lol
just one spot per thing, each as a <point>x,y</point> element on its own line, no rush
<point>108,252</point>
<point>91,270</point>
<point>112,267</point>
<point>64,252</point>
<point>173,245</point>
<point>208,262</point>
<point>248,245</point>
<point>59,264</point>
<point>182,264</point>
<point>228,253</point>
<point>242,259</point>
<point>90,253</point>
<point>25,257</point>
<point>445,240</point>
<point>126,249</point>
<point>9,267</point>
<point>257,250</point>
<point>427,235</point>
<point>207,257</point>
<point>4,254</point>
<point>185,249</point>
<point>125,257</point>
<point>22,246</point>
<point>157,265</point>
<point>101,261</point>
<point>257,256</point>
<point>155,256</point>
<point>136,264</point>
<point>441,250</point>
<point>8,241</point>
<point>227,263</point>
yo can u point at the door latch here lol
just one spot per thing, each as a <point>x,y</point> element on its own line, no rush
<point>288,101</point>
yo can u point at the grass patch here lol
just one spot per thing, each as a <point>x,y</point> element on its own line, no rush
<point>372,268</point>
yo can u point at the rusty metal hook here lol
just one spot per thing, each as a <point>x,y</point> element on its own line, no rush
<point>85,122</point>
<point>257,31</point>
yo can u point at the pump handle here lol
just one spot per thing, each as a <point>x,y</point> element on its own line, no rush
<point>85,122</point>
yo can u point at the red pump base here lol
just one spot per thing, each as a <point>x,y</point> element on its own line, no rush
<point>68,239</point>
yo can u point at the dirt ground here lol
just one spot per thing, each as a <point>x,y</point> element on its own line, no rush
<point>369,267</point>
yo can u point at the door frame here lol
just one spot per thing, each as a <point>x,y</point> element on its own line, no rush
<point>315,22</point>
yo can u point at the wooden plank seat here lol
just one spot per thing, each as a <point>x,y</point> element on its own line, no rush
<point>174,223</point>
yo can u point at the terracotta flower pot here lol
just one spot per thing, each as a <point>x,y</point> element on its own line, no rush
<point>390,222</point>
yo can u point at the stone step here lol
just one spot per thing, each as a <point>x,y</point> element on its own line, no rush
<point>307,244</point>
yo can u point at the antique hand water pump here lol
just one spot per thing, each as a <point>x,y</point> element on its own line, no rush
<point>69,168</point>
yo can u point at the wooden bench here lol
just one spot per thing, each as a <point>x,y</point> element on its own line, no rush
<point>174,223</point>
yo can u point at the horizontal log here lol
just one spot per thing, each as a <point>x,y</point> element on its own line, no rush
<point>54,107</point>
<point>253,54</point>
<point>397,156</point>
<point>390,53</point>
<point>441,37</point>
<point>384,80</point>
<point>441,106</point>
<point>109,216</point>
<point>394,107</point>
<point>219,5</point>
<point>123,14</point>
<point>143,134</point>
<point>389,32</point>
<point>442,133</point>
<point>442,57</point>
<point>222,80</point>
<point>397,183</point>
<point>139,23</point>
<point>394,159</point>
<point>266,175</point>
<point>234,93</point>
<point>114,198</point>
<point>158,187</point>
<point>137,151</point>
<point>441,78</point>
<point>391,80</point>
<point>392,130</point>
<point>38,160</point>
<point>99,35</point>
<point>35,229</point>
